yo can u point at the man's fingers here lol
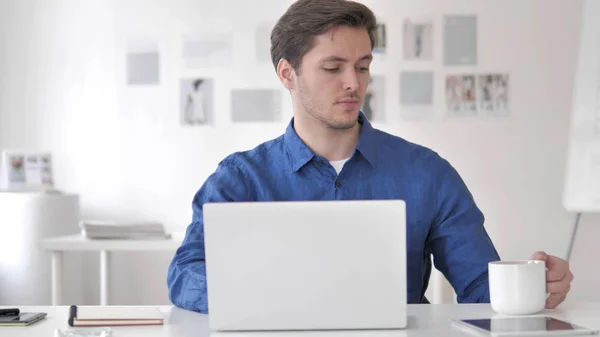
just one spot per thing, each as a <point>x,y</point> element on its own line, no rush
<point>557,269</point>
<point>554,275</point>
<point>554,300</point>
<point>558,288</point>
<point>558,278</point>
<point>539,255</point>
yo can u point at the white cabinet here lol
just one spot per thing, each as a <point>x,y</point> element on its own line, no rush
<point>25,268</point>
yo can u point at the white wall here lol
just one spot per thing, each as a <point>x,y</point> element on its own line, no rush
<point>62,89</point>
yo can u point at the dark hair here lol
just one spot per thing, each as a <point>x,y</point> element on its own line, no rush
<point>197,83</point>
<point>293,35</point>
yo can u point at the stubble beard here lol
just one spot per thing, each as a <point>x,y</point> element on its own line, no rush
<point>315,109</point>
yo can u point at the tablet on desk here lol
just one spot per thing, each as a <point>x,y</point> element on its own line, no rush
<point>523,326</point>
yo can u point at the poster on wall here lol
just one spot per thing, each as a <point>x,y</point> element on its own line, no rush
<point>416,94</point>
<point>417,40</point>
<point>380,39</point>
<point>255,105</point>
<point>142,62</point>
<point>196,101</point>
<point>263,43</point>
<point>374,100</point>
<point>461,95</point>
<point>207,49</point>
<point>26,171</point>
<point>493,94</point>
<point>460,40</point>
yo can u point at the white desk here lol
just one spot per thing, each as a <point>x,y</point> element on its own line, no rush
<point>74,243</point>
<point>424,320</point>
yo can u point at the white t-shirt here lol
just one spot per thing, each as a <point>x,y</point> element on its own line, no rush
<point>338,164</point>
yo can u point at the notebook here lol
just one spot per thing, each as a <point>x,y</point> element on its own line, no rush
<point>22,319</point>
<point>124,230</point>
<point>82,316</point>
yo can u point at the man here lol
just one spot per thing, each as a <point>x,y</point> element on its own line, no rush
<point>321,50</point>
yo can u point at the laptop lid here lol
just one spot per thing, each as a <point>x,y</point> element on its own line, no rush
<point>307,265</point>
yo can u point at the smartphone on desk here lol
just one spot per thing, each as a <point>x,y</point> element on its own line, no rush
<point>21,319</point>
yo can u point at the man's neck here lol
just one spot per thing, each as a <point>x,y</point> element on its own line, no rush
<point>332,144</point>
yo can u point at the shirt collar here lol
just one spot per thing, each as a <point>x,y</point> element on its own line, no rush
<point>299,154</point>
<point>367,143</point>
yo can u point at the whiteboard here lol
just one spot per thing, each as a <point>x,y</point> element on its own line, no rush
<point>582,179</point>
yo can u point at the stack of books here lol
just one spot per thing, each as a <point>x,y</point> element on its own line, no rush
<point>122,230</point>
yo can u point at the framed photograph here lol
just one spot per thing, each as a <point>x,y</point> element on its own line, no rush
<point>416,94</point>
<point>418,40</point>
<point>143,62</point>
<point>208,49</point>
<point>196,101</point>
<point>26,171</point>
<point>374,103</point>
<point>461,95</point>
<point>255,105</point>
<point>460,40</point>
<point>263,43</point>
<point>493,94</point>
<point>380,39</point>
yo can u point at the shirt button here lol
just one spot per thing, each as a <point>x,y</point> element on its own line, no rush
<point>338,184</point>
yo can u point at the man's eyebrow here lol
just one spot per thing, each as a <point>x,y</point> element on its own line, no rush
<point>341,59</point>
<point>334,59</point>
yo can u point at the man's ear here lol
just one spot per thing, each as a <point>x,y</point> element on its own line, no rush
<point>286,74</point>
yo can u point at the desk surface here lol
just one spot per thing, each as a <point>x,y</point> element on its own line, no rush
<point>80,242</point>
<point>423,320</point>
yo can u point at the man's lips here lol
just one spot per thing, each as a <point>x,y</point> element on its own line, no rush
<point>348,103</point>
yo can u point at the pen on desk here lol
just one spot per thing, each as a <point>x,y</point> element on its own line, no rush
<point>9,312</point>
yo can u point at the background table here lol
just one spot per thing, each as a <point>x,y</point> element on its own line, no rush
<point>73,243</point>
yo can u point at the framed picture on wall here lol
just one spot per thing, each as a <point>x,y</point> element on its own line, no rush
<point>492,94</point>
<point>26,171</point>
<point>380,39</point>
<point>417,39</point>
<point>196,101</point>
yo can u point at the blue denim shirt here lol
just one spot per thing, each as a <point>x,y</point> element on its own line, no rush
<point>442,217</point>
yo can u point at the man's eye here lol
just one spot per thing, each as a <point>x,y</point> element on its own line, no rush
<point>364,69</point>
<point>331,70</point>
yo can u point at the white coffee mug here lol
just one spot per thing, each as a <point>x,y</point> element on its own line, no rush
<point>517,287</point>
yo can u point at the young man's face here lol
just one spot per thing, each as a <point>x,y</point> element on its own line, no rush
<point>334,76</point>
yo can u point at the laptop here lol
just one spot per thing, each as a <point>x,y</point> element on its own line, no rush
<point>306,265</point>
